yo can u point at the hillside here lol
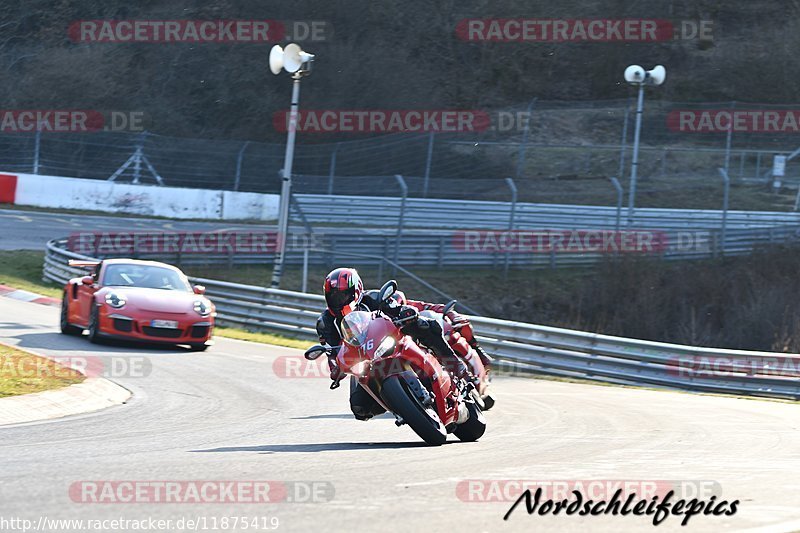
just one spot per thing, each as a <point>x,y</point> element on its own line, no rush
<point>382,55</point>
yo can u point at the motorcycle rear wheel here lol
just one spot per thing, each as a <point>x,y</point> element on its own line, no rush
<point>424,421</point>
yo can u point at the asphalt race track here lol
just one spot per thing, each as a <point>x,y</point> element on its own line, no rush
<point>30,230</point>
<point>226,415</point>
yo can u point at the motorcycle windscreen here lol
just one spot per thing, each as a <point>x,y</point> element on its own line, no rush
<point>354,328</point>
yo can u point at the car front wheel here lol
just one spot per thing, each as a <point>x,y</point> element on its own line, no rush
<point>66,327</point>
<point>94,325</point>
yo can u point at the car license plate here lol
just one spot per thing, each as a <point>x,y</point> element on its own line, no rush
<point>164,324</point>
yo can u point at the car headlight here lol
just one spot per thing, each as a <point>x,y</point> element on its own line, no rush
<point>386,346</point>
<point>115,300</point>
<point>359,368</point>
<point>202,308</point>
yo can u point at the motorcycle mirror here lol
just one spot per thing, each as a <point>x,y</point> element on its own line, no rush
<point>449,307</point>
<point>315,352</point>
<point>388,289</point>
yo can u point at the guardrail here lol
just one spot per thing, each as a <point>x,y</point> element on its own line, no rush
<point>520,346</point>
<point>438,249</point>
<point>465,214</point>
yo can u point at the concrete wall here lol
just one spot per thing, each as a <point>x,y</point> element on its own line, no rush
<point>171,202</point>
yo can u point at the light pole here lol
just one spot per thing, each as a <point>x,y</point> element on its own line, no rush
<point>636,75</point>
<point>292,59</point>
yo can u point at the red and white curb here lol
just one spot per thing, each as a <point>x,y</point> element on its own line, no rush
<point>25,296</point>
<point>92,394</point>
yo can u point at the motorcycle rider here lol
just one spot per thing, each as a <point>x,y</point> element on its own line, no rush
<point>344,293</point>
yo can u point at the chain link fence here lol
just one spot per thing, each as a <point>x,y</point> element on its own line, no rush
<point>559,152</point>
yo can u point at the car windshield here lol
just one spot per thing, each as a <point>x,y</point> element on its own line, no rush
<point>145,276</point>
<point>354,328</point>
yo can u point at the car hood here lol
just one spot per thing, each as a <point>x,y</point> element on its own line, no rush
<point>165,301</point>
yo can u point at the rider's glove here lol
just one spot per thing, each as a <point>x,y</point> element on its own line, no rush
<point>457,319</point>
<point>406,315</point>
<point>336,374</point>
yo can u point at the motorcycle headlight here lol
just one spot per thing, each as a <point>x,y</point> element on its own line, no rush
<point>359,368</point>
<point>115,300</point>
<point>386,346</point>
<point>202,308</point>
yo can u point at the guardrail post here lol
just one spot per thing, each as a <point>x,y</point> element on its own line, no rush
<point>512,211</point>
<point>239,159</point>
<point>401,217</point>
<point>726,180</point>
<point>332,168</point>
<point>428,165</point>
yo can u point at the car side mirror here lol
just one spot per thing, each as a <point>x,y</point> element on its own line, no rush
<point>87,280</point>
<point>388,289</point>
<point>315,352</point>
<point>199,289</point>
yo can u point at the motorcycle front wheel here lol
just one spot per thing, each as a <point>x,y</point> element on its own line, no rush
<point>423,420</point>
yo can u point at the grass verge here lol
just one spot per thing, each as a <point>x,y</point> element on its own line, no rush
<point>25,373</point>
<point>22,269</point>
<point>265,338</point>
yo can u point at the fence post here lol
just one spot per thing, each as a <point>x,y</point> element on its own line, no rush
<point>332,169</point>
<point>239,166</point>
<point>727,183</point>
<point>728,139</point>
<point>36,149</point>
<point>512,212</point>
<point>524,145</point>
<point>618,187</point>
<point>305,269</point>
<point>428,166</point>
<point>137,162</point>
<point>741,163</point>
<point>758,164</point>
<point>623,146</point>
<point>401,217</point>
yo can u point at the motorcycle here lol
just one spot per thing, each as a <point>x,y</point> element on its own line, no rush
<point>467,353</point>
<point>403,378</point>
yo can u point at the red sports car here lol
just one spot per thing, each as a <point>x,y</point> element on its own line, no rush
<point>137,300</point>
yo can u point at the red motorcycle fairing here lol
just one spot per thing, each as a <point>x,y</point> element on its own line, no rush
<point>404,355</point>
